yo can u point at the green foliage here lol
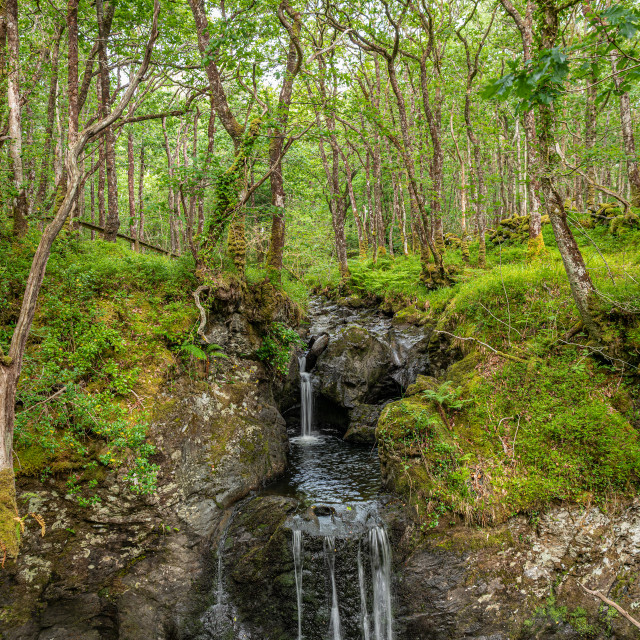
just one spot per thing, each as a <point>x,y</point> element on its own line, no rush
<point>446,396</point>
<point>209,351</point>
<point>276,347</point>
<point>94,340</point>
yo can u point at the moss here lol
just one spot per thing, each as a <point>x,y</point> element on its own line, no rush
<point>411,315</point>
<point>513,441</point>
<point>9,527</point>
<point>32,460</point>
<point>463,373</point>
<point>237,244</point>
<point>421,384</point>
<point>535,247</point>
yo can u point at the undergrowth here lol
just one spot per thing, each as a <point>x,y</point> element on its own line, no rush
<point>542,414</point>
<point>98,351</point>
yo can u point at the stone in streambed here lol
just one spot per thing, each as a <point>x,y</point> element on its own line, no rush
<point>362,424</point>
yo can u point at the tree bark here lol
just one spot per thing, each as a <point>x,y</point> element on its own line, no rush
<point>131,184</point>
<point>590,118</point>
<point>362,239</point>
<point>51,112</point>
<point>112,223</point>
<point>633,172</point>
<point>294,62</point>
<point>140,231</point>
<point>19,205</point>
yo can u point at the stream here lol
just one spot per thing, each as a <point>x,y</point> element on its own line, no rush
<point>338,547</point>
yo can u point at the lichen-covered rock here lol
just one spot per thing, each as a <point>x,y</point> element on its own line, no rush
<point>521,579</point>
<point>132,566</point>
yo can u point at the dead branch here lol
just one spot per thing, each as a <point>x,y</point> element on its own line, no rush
<point>611,603</point>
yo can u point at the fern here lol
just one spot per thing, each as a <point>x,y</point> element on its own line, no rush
<point>210,351</point>
<point>193,350</point>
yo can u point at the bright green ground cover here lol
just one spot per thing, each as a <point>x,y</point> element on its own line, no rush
<point>552,420</point>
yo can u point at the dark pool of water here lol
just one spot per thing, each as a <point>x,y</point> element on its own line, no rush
<point>323,468</point>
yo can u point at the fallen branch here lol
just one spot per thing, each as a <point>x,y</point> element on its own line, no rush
<point>203,314</point>
<point>508,356</point>
<point>611,603</point>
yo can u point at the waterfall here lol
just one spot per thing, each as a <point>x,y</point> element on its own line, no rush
<point>297,565</point>
<point>335,633</point>
<point>381,576</point>
<point>221,543</point>
<point>363,596</point>
<point>306,397</point>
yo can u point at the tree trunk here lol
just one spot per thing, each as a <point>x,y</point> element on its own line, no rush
<point>8,508</point>
<point>20,207</point>
<point>480,185</point>
<point>633,172</point>
<point>112,223</point>
<point>362,239</point>
<point>92,198</point>
<point>403,219</point>
<point>591,114</point>
<point>294,62</point>
<point>132,189</point>
<point>140,231</point>
<point>51,112</point>
<point>577,274</point>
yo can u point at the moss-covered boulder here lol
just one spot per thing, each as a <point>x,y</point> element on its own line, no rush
<point>513,230</point>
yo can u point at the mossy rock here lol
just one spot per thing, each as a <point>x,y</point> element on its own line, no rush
<point>452,240</point>
<point>433,279</point>
<point>410,315</point>
<point>422,383</point>
<point>463,373</point>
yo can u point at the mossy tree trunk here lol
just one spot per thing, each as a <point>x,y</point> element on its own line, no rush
<point>582,288</point>
<point>9,540</point>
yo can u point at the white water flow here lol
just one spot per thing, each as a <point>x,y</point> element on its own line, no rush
<point>297,565</point>
<point>335,631</point>
<point>381,577</point>
<point>364,614</point>
<point>306,398</point>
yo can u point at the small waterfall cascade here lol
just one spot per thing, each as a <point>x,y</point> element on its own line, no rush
<point>335,632</point>
<point>306,397</point>
<point>364,613</point>
<point>355,562</point>
<point>381,576</point>
<point>220,619</point>
<point>296,545</point>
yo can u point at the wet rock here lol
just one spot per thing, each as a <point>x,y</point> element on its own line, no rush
<point>258,567</point>
<point>317,347</point>
<point>362,424</point>
<point>137,567</point>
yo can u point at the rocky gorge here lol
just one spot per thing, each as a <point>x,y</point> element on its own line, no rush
<point>254,533</point>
